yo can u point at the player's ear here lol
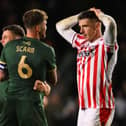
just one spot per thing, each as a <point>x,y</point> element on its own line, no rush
<point>98,24</point>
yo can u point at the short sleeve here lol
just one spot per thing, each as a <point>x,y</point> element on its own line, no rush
<point>51,59</point>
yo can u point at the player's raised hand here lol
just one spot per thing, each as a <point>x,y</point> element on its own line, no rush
<point>97,11</point>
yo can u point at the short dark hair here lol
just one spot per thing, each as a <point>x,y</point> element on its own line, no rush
<point>16,29</point>
<point>88,14</point>
<point>34,17</point>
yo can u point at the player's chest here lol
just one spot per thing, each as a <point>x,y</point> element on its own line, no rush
<point>88,51</point>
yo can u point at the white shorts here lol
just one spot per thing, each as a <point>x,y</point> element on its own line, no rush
<point>95,117</point>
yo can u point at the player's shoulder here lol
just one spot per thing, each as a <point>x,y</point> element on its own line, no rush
<point>46,46</point>
<point>12,42</point>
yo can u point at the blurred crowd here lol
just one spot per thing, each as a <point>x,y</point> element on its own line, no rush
<point>62,105</point>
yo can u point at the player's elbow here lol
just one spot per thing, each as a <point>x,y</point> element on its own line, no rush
<point>59,27</point>
<point>53,77</point>
<point>54,81</point>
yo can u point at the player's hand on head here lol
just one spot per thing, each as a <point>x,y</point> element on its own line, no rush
<point>96,11</point>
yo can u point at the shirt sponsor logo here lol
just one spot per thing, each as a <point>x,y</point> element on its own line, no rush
<point>87,53</point>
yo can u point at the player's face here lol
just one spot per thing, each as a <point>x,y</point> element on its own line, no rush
<point>43,28</point>
<point>88,28</point>
<point>6,37</point>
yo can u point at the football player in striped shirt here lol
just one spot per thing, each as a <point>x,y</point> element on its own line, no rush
<point>96,59</point>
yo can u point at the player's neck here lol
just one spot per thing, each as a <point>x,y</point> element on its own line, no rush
<point>97,35</point>
<point>32,34</point>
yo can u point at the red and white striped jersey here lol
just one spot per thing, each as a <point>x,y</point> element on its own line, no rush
<point>95,64</point>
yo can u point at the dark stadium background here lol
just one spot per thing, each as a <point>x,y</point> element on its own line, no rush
<point>62,103</point>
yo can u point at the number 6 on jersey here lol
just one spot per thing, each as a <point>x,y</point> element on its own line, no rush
<point>22,65</point>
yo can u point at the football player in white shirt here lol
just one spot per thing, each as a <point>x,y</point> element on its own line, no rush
<point>96,59</point>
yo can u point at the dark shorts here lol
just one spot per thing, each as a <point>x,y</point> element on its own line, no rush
<point>3,94</point>
<point>22,113</point>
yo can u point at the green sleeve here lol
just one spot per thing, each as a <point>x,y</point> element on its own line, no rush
<point>2,57</point>
<point>51,59</point>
